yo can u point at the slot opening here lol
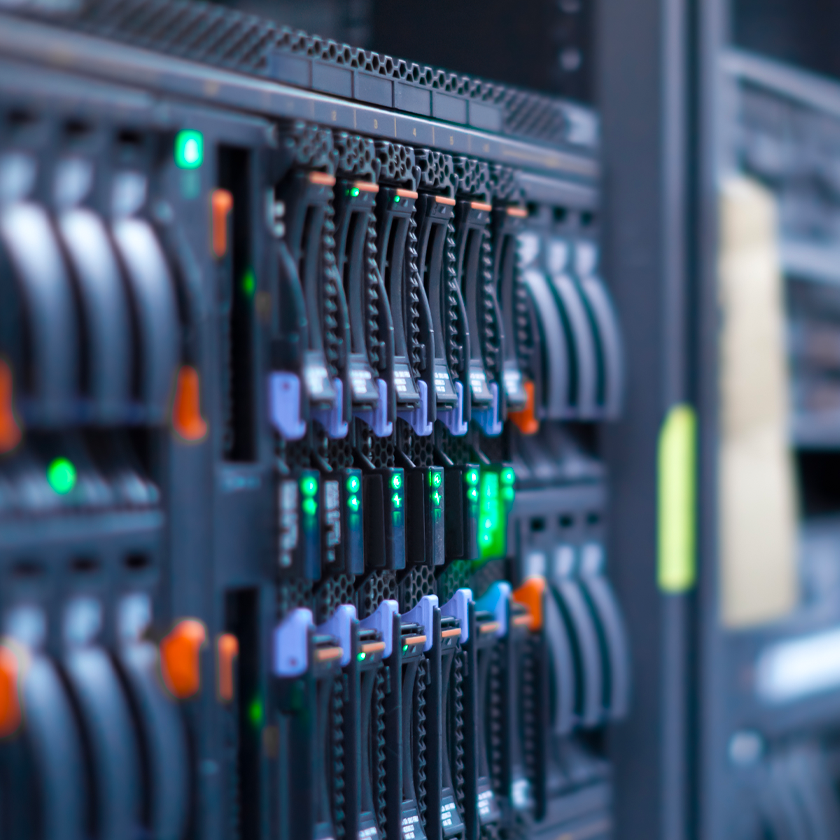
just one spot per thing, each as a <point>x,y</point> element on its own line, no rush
<point>245,715</point>
<point>239,284</point>
<point>84,565</point>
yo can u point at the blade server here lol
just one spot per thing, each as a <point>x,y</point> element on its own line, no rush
<point>304,353</point>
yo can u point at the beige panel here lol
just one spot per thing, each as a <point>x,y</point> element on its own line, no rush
<point>758,505</point>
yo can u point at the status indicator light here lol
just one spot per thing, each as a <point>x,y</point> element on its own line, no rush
<point>405,647</point>
<point>354,192</point>
<point>435,478</point>
<point>396,199</point>
<point>189,149</point>
<point>508,476</point>
<point>310,507</point>
<point>61,476</point>
<point>493,524</point>
<point>473,494</point>
<point>471,477</point>
<point>255,712</point>
<point>397,500</point>
<point>361,657</point>
<point>308,486</point>
<point>249,283</point>
<point>353,484</point>
<point>353,503</point>
<point>436,497</point>
<point>396,481</point>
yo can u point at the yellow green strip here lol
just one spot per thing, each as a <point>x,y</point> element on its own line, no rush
<point>677,479</point>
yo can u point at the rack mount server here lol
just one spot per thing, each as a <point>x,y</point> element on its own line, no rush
<point>304,353</point>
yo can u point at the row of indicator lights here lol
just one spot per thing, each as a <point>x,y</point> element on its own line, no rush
<point>436,481</point>
<point>309,489</point>
<point>471,477</point>
<point>396,485</point>
<point>353,487</point>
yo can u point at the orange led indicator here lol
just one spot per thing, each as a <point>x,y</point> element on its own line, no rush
<point>186,409</point>
<point>227,649</point>
<point>222,203</point>
<point>10,433</point>
<point>180,661</point>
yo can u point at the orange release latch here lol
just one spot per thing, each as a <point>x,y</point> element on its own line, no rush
<point>10,705</point>
<point>186,408</point>
<point>221,203</point>
<point>180,661</point>
<point>227,649</point>
<point>10,433</point>
<point>531,595</point>
<point>525,420</point>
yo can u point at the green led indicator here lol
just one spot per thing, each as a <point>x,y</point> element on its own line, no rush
<point>249,283</point>
<point>435,478</point>
<point>396,199</point>
<point>508,476</point>
<point>353,503</point>
<point>405,647</point>
<point>361,657</point>
<point>507,494</point>
<point>189,149</point>
<point>354,192</point>
<point>396,481</point>
<point>61,475</point>
<point>255,712</point>
<point>309,486</point>
<point>471,477</point>
<point>353,484</point>
<point>436,497</point>
<point>493,522</point>
<point>397,500</point>
<point>310,507</point>
<point>473,494</point>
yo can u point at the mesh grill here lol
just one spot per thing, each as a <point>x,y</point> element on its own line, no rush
<point>206,33</point>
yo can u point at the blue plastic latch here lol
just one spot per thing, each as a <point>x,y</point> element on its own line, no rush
<point>332,419</point>
<point>423,614</point>
<point>377,417</point>
<point>418,418</point>
<point>340,625</point>
<point>291,643</point>
<point>489,419</point>
<point>382,620</point>
<point>458,607</point>
<point>453,418</point>
<point>284,405</point>
<point>495,600</point>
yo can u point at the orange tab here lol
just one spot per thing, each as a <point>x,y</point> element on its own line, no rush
<point>324,179</point>
<point>10,433</point>
<point>180,663</point>
<point>222,204</point>
<point>10,712</point>
<point>525,420</point>
<point>531,595</point>
<point>186,409</point>
<point>227,649</point>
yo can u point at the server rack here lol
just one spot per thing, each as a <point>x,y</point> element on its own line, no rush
<point>276,562</point>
